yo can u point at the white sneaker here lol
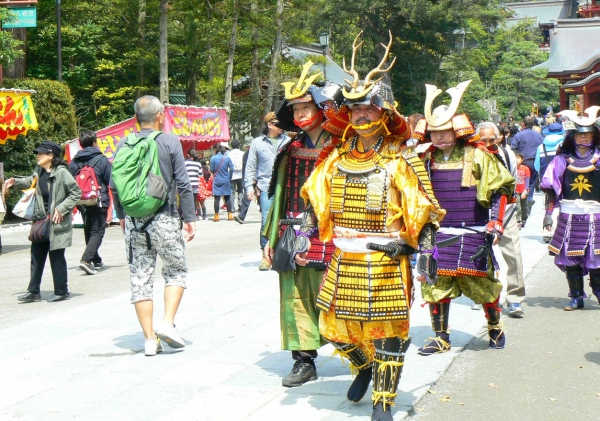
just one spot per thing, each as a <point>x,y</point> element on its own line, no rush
<point>169,334</point>
<point>152,347</point>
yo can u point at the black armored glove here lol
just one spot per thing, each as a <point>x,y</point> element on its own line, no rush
<point>392,249</point>
<point>427,263</point>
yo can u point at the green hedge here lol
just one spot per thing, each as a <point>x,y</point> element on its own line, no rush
<point>55,112</point>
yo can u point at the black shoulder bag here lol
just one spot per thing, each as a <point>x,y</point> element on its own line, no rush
<point>40,229</point>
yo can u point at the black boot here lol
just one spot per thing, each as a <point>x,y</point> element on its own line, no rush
<point>359,365</point>
<point>595,282</point>
<point>387,369</point>
<point>302,372</point>
<point>439,313</point>
<point>575,280</point>
<point>495,326</point>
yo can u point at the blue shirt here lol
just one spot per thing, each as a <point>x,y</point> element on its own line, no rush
<point>261,158</point>
<point>527,142</point>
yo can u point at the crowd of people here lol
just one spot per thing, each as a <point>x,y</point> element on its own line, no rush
<point>357,204</point>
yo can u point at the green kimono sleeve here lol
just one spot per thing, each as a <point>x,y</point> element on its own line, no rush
<point>491,177</point>
<point>271,230</point>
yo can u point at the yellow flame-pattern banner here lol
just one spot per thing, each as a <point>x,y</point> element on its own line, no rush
<point>16,115</point>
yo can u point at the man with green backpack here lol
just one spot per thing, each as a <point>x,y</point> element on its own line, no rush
<point>148,173</point>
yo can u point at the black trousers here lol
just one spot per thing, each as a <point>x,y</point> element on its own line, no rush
<point>305,355</point>
<point>245,205</point>
<point>237,188</point>
<point>58,264</point>
<point>226,199</point>
<point>94,227</point>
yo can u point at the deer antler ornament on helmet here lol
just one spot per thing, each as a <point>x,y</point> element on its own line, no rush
<point>369,91</point>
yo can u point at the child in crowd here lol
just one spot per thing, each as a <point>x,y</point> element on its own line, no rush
<point>521,190</point>
<point>204,188</point>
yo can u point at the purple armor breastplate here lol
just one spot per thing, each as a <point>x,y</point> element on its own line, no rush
<point>462,207</point>
<point>581,179</point>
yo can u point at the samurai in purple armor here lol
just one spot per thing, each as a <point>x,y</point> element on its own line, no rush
<point>573,181</point>
<point>467,181</point>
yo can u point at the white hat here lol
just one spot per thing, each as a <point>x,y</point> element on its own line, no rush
<point>225,145</point>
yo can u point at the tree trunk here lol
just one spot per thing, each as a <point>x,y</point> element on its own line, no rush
<point>209,98</point>
<point>141,46</point>
<point>275,55</point>
<point>190,89</point>
<point>16,70</point>
<point>162,53</point>
<point>230,58</point>
<point>255,76</point>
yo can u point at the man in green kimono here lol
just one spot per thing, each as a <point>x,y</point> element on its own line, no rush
<point>302,112</point>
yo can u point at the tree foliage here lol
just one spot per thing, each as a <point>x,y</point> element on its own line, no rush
<point>435,41</point>
<point>9,46</point>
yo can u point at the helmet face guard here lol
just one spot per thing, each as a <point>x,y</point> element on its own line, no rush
<point>368,92</point>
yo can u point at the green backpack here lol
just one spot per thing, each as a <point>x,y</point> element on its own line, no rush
<point>137,177</point>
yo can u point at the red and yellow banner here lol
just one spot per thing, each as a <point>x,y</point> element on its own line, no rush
<point>197,124</point>
<point>203,126</point>
<point>17,115</point>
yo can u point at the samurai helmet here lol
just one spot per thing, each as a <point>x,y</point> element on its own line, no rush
<point>441,117</point>
<point>304,90</point>
<point>367,91</point>
<point>444,117</point>
<point>582,124</point>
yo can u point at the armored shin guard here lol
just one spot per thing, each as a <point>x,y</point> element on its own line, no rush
<point>360,366</point>
<point>440,313</point>
<point>575,280</point>
<point>595,282</point>
<point>387,369</point>
<point>496,330</point>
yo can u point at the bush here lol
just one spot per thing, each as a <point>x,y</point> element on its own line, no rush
<point>55,112</point>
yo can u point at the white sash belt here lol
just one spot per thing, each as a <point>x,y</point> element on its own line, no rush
<point>579,207</point>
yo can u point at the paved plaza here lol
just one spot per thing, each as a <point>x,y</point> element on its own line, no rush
<point>83,359</point>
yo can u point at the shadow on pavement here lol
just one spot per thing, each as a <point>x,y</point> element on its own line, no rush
<point>534,237</point>
<point>593,357</point>
<point>250,264</point>
<point>135,342</point>
<point>557,302</point>
<point>7,248</point>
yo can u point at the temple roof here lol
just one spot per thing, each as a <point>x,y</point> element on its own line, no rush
<point>543,12</point>
<point>573,46</point>
<point>335,73</point>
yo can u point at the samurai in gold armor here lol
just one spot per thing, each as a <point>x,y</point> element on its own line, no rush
<point>369,199</point>
<point>299,279</point>
<point>467,181</point>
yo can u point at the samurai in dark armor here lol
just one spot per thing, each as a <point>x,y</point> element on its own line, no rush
<point>467,181</point>
<point>301,112</point>
<point>573,181</point>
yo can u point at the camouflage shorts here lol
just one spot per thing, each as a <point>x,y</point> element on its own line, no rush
<point>166,240</point>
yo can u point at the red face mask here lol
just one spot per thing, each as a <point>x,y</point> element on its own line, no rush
<point>308,123</point>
